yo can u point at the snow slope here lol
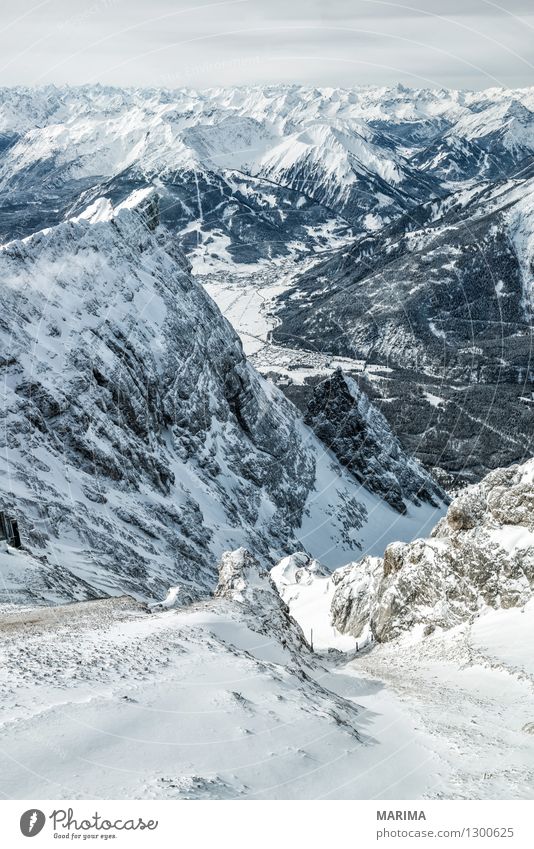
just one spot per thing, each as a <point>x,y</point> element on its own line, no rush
<point>471,691</point>
<point>218,700</point>
<point>454,615</point>
<point>222,699</point>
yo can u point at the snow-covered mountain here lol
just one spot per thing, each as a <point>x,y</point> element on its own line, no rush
<point>358,434</point>
<point>492,143</point>
<point>255,172</point>
<point>439,304</point>
<point>138,443</point>
<point>434,329</point>
<point>373,251</point>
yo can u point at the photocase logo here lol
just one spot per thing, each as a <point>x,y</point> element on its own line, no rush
<point>32,822</point>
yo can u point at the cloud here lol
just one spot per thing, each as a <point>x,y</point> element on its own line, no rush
<point>463,43</point>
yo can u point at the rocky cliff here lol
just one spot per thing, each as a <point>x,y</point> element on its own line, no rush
<point>480,555</point>
<point>137,442</point>
<point>343,417</point>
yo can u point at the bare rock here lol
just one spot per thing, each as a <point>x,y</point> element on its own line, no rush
<point>481,555</point>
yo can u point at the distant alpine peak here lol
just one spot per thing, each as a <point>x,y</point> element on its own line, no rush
<point>255,172</point>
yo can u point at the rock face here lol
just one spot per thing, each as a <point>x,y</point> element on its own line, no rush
<point>238,572</point>
<point>137,440</point>
<point>138,443</point>
<point>297,568</point>
<point>481,554</point>
<point>358,434</point>
<point>131,410</point>
<point>242,579</point>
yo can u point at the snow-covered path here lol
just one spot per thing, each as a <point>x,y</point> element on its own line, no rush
<point>470,691</point>
<point>105,700</point>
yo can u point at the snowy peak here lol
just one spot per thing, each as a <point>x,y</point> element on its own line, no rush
<point>261,164</point>
<point>345,167</point>
<point>145,202</point>
<point>488,143</point>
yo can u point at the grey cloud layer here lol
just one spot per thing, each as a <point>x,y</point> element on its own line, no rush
<point>459,43</point>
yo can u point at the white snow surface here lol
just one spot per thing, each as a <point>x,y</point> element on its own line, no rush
<point>102,700</point>
<point>469,692</point>
<point>464,695</point>
<point>220,700</point>
<point>307,589</point>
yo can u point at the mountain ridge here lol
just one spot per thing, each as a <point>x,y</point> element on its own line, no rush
<point>138,442</point>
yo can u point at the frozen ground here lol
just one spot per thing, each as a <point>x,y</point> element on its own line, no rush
<point>469,692</point>
<point>472,691</point>
<point>105,700</point>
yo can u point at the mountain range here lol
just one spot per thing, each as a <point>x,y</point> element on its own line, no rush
<point>267,423</point>
<point>340,205</point>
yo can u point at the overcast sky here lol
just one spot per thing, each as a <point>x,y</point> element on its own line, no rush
<point>173,43</point>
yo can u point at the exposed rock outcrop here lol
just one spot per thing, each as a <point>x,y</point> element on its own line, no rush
<point>242,579</point>
<point>137,443</point>
<point>343,417</point>
<point>239,571</point>
<point>481,554</point>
